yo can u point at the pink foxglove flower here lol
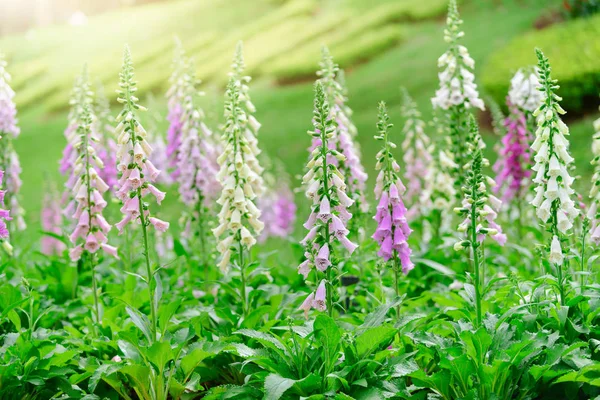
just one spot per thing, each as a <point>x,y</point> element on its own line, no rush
<point>417,156</point>
<point>137,173</point>
<point>9,160</point>
<point>392,230</point>
<point>593,213</point>
<point>513,167</point>
<point>553,182</point>
<point>240,171</point>
<point>345,139</point>
<point>91,229</point>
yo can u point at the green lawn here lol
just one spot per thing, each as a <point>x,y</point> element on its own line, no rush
<point>284,110</point>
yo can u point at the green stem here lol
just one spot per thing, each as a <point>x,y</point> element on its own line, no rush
<point>95,289</point>
<point>242,279</point>
<point>476,265</point>
<point>582,276</point>
<point>149,271</point>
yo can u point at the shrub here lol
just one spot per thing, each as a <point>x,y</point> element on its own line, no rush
<point>575,62</point>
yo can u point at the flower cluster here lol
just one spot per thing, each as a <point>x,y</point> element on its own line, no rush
<point>103,128</point>
<point>525,91</point>
<point>137,172</point>
<point>196,159</point>
<point>417,157</point>
<point>457,81</point>
<point>52,222</point>
<point>345,133</point>
<point>479,207</point>
<point>91,228</point>
<point>593,213</point>
<point>458,91</point>
<point>175,96</point>
<point>552,160</point>
<point>513,167</point>
<point>239,174</point>
<point>9,160</point>
<point>278,212</point>
<point>326,190</point>
<point>392,227</point>
<point>8,110</point>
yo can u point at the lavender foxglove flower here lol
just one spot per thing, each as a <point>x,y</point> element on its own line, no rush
<point>392,231</point>
<point>344,140</point>
<point>326,189</point>
<point>197,156</point>
<point>106,147</point>
<point>593,214</point>
<point>417,157</point>
<point>8,110</point>
<point>9,160</point>
<point>278,212</point>
<point>513,167</point>
<point>137,172</point>
<point>458,91</point>
<point>175,96</point>
<point>239,174</point>
<point>52,221</point>
<point>91,228</point>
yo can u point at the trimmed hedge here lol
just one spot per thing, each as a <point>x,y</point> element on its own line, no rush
<point>574,51</point>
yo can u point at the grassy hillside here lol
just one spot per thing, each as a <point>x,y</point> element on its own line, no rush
<point>282,46</point>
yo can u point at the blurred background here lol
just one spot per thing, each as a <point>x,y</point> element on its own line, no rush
<point>382,45</point>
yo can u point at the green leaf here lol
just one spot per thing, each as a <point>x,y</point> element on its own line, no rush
<point>377,317</point>
<point>160,354</point>
<point>179,249</point>
<point>141,321</point>
<point>442,269</point>
<point>374,339</point>
<point>193,359</point>
<point>276,386</point>
<point>328,334</point>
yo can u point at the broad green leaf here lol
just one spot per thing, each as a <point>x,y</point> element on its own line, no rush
<point>374,339</point>
<point>159,354</point>
<point>276,386</point>
<point>193,359</point>
<point>141,321</point>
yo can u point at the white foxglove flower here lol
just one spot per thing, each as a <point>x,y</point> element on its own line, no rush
<point>525,91</point>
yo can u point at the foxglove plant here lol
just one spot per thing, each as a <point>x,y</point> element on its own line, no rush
<point>326,189</point>
<point>513,167</point>
<point>197,166</point>
<point>52,221</point>
<point>4,215</point>
<point>344,140</point>
<point>9,159</point>
<point>593,214</point>
<point>137,173</point>
<point>107,147</point>
<point>480,210</point>
<point>278,212</point>
<point>552,201</point>
<point>175,96</point>
<point>240,178</point>
<point>392,231</point>
<point>91,228</point>
<point>524,91</point>
<point>458,91</point>
<point>417,157</point>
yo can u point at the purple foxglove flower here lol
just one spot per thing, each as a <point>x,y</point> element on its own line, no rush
<point>322,260</point>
